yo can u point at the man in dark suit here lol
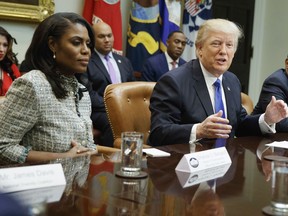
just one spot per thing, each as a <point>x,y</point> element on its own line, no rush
<point>183,103</point>
<point>99,75</point>
<point>155,66</point>
<point>276,84</point>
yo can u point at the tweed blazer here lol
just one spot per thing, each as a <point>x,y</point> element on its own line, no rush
<point>33,118</point>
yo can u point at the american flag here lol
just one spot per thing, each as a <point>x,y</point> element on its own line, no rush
<point>192,6</point>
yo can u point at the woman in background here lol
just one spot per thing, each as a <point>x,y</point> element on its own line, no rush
<point>8,61</point>
<point>46,113</point>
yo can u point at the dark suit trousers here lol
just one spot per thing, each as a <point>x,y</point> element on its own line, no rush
<point>101,122</point>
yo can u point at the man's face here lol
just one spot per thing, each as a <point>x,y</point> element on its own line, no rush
<point>217,52</point>
<point>176,45</point>
<point>104,39</point>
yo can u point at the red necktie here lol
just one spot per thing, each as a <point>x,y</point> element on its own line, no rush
<point>173,64</point>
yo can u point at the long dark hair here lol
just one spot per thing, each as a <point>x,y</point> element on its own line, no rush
<point>10,57</point>
<point>40,57</point>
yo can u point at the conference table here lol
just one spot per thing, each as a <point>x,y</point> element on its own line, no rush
<point>93,188</point>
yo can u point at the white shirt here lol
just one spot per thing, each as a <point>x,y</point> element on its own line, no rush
<point>114,64</point>
<point>169,60</point>
<point>209,80</point>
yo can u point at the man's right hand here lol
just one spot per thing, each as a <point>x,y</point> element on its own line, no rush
<point>214,126</point>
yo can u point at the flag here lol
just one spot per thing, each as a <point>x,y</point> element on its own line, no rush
<point>143,34</point>
<point>170,16</point>
<point>107,11</point>
<point>196,12</point>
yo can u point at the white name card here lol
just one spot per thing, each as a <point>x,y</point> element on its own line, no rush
<point>198,167</point>
<point>190,179</point>
<point>31,177</point>
<point>197,161</point>
<point>40,195</point>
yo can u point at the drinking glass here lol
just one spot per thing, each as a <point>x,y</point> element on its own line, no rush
<point>279,201</point>
<point>131,154</point>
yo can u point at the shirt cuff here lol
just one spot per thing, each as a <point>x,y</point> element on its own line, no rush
<point>193,134</point>
<point>264,127</point>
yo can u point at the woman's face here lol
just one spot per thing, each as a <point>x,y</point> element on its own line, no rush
<point>72,52</point>
<point>3,47</point>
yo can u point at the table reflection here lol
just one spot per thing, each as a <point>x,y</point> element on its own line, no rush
<point>92,188</point>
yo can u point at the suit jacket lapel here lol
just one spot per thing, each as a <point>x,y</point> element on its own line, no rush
<point>164,64</point>
<point>228,94</point>
<point>201,88</point>
<point>101,66</point>
<point>120,66</point>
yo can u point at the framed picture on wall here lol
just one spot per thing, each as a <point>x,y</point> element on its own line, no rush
<point>26,10</point>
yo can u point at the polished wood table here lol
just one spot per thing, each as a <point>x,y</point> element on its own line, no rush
<point>95,190</point>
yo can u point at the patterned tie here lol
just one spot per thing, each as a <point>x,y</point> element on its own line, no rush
<point>218,98</point>
<point>219,106</point>
<point>173,64</point>
<point>111,70</point>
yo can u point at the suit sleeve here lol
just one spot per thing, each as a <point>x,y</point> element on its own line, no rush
<point>166,114</point>
<point>147,74</point>
<point>97,100</point>
<point>130,70</point>
<point>274,86</point>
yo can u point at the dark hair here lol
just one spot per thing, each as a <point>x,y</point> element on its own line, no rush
<point>40,57</point>
<point>173,32</point>
<point>10,57</point>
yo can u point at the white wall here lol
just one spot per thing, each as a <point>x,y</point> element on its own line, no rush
<point>270,36</point>
<point>23,31</point>
<point>270,42</point>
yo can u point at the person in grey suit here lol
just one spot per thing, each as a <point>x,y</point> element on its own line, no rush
<point>276,84</point>
<point>155,66</point>
<point>183,104</point>
<point>97,77</point>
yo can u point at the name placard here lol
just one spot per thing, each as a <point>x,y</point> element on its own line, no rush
<point>40,195</point>
<point>190,179</point>
<point>203,166</point>
<point>31,177</point>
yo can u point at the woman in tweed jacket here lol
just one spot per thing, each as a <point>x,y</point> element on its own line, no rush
<point>46,112</point>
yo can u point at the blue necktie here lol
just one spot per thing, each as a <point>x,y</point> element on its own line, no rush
<point>218,98</point>
<point>219,106</point>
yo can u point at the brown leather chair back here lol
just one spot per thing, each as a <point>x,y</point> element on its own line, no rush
<point>127,107</point>
<point>247,103</point>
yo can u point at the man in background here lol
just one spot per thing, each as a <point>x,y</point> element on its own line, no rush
<point>104,68</point>
<point>157,65</point>
<point>202,100</point>
<point>276,84</point>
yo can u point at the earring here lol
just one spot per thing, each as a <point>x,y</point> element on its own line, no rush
<point>54,56</point>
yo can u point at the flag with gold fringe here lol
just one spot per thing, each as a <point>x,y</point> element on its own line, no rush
<point>196,12</point>
<point>107,11</point>
<point>143,33</point>
<point>170,19</point>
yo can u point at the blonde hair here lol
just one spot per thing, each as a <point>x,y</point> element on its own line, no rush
<point>218,25</point>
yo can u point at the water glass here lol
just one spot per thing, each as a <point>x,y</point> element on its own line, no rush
<point>280,186</point>
<point>131,153</point>
<point>279,202</point>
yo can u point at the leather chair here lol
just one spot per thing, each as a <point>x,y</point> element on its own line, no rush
<point>127,107</point>
<point>247,103</point>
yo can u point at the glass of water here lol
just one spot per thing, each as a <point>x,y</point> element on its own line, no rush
<point>131,154</point>
<point>279,201</point>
